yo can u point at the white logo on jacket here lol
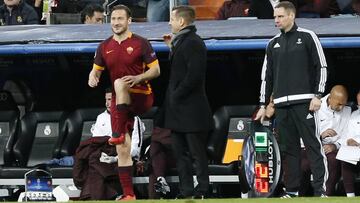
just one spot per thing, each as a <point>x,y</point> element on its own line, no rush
<point>299,41</point>
<point>277,45</point>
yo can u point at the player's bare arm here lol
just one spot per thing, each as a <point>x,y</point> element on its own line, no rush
<point>94,77</point>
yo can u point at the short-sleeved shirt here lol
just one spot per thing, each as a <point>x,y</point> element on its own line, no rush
<point>130,57</point>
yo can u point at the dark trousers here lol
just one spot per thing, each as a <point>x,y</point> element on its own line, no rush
<point>293,122</point>
<point>334,173</point>
<point>188,147</point>
<point>161,157</point>
<point>348,172</point>
<point>333,169</point>
<point>305,185</point>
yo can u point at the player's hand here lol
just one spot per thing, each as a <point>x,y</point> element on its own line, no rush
<point>260,115</point>
<point>352,142</point>
<point>315,104</point>
<point>93,80</point>
<point>167,39</point>
<point>328,133</point>
<point>328,148</point>
<point>132,80</point>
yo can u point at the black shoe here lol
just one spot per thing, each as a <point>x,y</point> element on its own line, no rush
<point>181,196</point>
<point>287,195</point>
<point>199,196</point>
<point>321,195</point>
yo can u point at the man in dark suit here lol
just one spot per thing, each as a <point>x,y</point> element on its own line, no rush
<point>187,111</point>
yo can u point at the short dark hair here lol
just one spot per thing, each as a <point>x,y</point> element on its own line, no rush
<point>122,7</point>
<point>186,12</point>
<point>89,10</point>
<point>287,5</point>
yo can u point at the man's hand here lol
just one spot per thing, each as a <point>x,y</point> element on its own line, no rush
<point>270,110</point>
<point>315,104</point>
<point>140,167</point>
<point>328,148</point>
<point>260,115</point>
<point>167,39</point>
<point>132,80</point>
<point>328,133</point>
<point>352,142</point>
<point>93,79</point>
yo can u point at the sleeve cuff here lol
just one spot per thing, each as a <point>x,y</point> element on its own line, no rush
<point>152,64</point>
<point>97,67</point>
<point>338,145</point>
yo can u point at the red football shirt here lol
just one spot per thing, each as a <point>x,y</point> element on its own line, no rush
<point>130,57</point>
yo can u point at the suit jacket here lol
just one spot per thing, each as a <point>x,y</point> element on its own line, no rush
<point>186,105</point>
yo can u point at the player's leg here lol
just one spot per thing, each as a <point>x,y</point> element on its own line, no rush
<point>125,164</point>
<point>138,103</point>
<point>334,168</point>
<point>120,112</point>
<point>315,152</point>
<point>290,149</point>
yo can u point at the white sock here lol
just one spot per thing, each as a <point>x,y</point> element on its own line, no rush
<point>350,194</point>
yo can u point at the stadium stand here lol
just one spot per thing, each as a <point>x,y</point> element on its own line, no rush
<point>65,18</point>
<point>206,9</point>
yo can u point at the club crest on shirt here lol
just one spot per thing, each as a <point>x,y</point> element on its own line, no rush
<point>153,54</point>
<point>129,50</point>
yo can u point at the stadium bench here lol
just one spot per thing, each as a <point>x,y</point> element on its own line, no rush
<point>9,124</point>
<point>39,140</point>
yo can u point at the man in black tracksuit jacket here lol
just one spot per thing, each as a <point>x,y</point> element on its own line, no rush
<point>17,12</point>
<point>294,71</point>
